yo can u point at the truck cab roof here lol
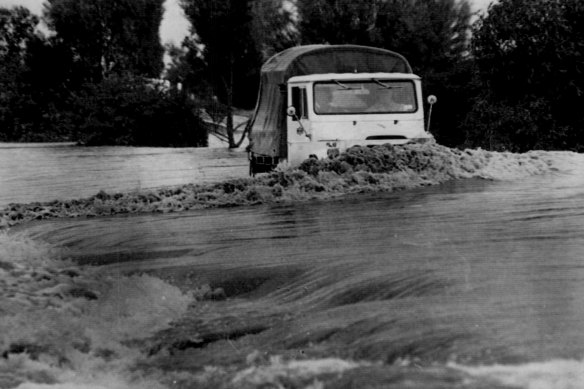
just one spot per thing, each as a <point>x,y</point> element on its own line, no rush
<point>353,76</point>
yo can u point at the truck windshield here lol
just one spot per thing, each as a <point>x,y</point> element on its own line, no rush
<point>364,96</point>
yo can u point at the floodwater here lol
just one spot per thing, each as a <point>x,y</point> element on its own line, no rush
<point>40,172</point>
<point>469,284</point>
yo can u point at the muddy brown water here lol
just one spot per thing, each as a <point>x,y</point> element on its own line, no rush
<point>476,273</point>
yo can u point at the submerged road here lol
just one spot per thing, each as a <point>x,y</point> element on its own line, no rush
<point>471,272</point>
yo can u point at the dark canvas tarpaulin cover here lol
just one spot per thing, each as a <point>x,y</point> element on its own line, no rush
<point>268,125</point>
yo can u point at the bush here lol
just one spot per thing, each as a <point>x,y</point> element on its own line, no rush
<point>519,127</point>
<point>126,110</point>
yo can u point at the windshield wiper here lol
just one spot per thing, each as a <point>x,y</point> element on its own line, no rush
<point>385,86</point>
<point>341,85</point>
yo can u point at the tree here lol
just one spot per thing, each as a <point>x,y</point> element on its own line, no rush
<point>433,34</point>
<point>17,29</point>
<point>430,33</point>
<point>226,49</point>
<point>108,36</point>
<point>273,27</point>
<point>530,58</point>
<point>338,21</point>
<point>17,34</point>
<point>531,47</point>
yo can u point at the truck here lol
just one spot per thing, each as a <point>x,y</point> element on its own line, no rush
<point>319,100</point>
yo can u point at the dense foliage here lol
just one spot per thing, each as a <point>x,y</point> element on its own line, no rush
<point>91,81</point>
<point>125,110</point>
<point>23,116</point>
<point>530,62</point>
<point>513,82</point>
<point>105,37</point>
<point>430,33</point>
<point>17,30</point>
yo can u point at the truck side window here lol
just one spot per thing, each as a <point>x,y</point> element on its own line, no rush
<point>299,102</point>
<point>304,104</point>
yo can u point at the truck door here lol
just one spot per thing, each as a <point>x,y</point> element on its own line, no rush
<point>299,126</point>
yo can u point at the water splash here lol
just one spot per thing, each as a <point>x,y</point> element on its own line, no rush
<point>65,327</point>
<point>360,169</point>
<point>553,374</point>
<point>278,370</point>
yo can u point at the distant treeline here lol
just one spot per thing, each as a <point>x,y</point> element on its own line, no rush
<point>510,80</point>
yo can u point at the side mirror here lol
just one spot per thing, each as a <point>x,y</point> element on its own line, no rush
<point>431,100</point>
<point>291,111</point>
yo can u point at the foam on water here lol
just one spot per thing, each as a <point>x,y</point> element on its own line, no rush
<point>277,369</point>
<point>65,327</point>
<point>553,374</point>
<point>359,169</point>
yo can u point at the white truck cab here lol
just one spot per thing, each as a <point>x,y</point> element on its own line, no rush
<point>319,100</point>
<point>328,113</point>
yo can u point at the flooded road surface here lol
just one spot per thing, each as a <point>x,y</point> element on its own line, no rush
<point>41,172</point>
<point>470,284</point>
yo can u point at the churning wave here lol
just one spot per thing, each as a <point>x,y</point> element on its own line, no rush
<point>358,170</point>
<point>69,327</point>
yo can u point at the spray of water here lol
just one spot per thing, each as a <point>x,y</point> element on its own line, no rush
<point>65,327</point>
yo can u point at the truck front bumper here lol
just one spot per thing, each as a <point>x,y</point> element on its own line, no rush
<point>298,152</point>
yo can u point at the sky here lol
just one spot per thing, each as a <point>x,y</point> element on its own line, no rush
<point>174,26</point>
